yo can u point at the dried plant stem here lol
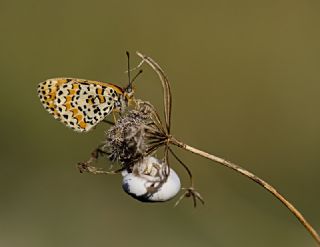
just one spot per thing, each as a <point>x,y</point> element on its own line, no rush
<point>167,107</point>
<point>166,87</point>
<point>256,179</point>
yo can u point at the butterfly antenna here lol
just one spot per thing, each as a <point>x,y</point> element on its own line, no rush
<point>128,56</point>
<point>134,78</point>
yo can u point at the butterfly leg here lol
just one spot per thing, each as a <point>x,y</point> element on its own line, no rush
<point>108,121</point>
<point>114,117</point>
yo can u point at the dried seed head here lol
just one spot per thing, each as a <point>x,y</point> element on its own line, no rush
<point>125,139</point>
<point>134,135</point>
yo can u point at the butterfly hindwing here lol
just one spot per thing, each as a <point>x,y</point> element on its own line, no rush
<point>79,104</point>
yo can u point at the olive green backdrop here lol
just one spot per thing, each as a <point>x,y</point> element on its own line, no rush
<point>246,84</point>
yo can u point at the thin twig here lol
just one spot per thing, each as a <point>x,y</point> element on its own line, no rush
<point>256,179</point>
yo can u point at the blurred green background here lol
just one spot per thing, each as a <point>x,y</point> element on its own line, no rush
<point>246,84</point>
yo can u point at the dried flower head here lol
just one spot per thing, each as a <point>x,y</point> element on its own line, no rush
<point>134,135</point>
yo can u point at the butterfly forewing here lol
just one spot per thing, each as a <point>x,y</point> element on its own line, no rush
<point>79,104</point>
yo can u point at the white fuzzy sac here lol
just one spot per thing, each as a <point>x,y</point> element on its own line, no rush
<point>148,174</point>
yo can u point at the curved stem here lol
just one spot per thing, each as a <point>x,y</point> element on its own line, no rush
<point>256,179</point>
<point>166,87</point>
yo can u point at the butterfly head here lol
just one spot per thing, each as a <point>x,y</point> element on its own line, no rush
<point>130,89</point>
<point>129,92</point>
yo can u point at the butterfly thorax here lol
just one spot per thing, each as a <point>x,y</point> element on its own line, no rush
<point>121,104</point>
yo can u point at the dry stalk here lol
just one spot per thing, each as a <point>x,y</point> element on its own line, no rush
<point>166,88</point>
<point>221,161</point>
<point>256,179</point>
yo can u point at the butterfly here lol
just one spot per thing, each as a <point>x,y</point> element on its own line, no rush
<point>81,104</point>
